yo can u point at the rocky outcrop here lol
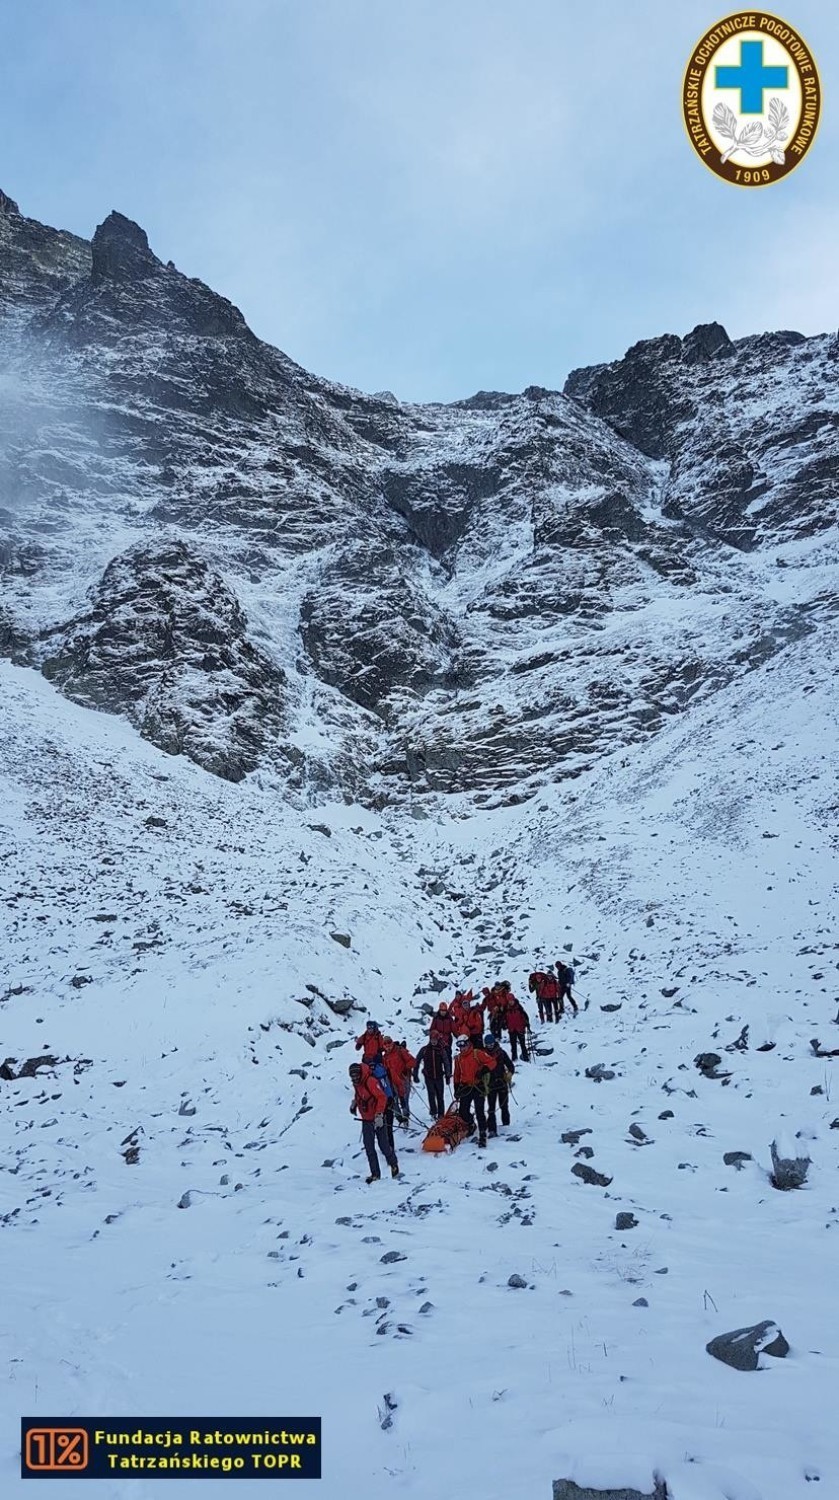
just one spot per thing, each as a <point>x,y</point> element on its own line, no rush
<point>166,643</point>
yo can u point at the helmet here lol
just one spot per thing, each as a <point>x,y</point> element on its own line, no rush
<point>443,1008</point>
<point>490,1040</point>
<point>463,1041</point>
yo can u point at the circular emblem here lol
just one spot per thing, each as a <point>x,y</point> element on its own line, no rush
<point>751,98</point>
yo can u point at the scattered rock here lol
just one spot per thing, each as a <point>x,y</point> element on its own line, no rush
<point>344,1004</point>
<point>185,1200</point>
<point>667,1114</point>
<point>187,1108</point>
<point>610,1008</point>
<point>599,1073</point>
<point>640,1302</point>
<point>155,822</point>
<point>788,1171</point>
<point>391,1257</point>
<point>516,1281</point>
<point>626,1221</point>
<point>736,1159</point>
<point>586,1151</point>
<point>741,1348</point>
<point>80,980</point>
<point>708,1064</point>
<point>341,937</point>
<point>34,1064</point>
<point>588,1174</point>
<point>572,1137</point>
<point>637,1133</point>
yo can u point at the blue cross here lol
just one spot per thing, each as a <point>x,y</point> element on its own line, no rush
<point>751,78</point>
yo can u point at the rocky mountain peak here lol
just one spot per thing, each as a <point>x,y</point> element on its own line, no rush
<point>121,250</point>
<point>706,341</point>
<point>7,204</point>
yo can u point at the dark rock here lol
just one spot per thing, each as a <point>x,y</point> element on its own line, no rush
<point>588,1174</point>
<point>788,1172</point>
<point>566,1489</point>
<point>736,1159</point>
<point>345,1003</point>
<point>610,1008</point>
<point>33,1065</point>
<point>516,1281</point>
<point>741,1348</point>
<point>626,1221</point>
<point>708,1064</point>
<point>667,1114</point>
<point>391,1257</point>
<point>573,1137</point>
<point>640,1302</point>
<point>586,1151</point>
<point>342,938</point>
<point>637,1133</point>
<point>599,1073</point>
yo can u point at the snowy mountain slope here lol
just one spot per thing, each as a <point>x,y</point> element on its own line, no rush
<point>485,596</point>
<point>695,891</point>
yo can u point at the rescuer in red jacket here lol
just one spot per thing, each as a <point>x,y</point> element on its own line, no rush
<point>369,1104</point>
<point>472,1068</point>
<point>399,1063</point>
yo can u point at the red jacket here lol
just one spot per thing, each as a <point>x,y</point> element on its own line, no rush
<point>371,1042</point>
<point>469,1064</point>
<point>545,986</point>
<point>370,1098</point>
<point>399,1062</point>
<point>473,1020</point>
<point>458,1011</point>
<point>517,1018</point>
<point>441,1026</point>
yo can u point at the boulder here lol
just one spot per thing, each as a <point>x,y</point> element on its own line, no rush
<point>566,1489</point>
<point>626,1221</point>
<point>742,1348</point>
<point>788,1171</point>
<point>736,1159</point>
<point>588,1174</point>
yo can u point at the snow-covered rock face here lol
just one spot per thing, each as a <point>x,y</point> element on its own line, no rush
<point>751,430</point>
<point>484,596</point>
<point>165,644</point>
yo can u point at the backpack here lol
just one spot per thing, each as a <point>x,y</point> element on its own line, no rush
<point>380,1073</point>
<point>569,975</point>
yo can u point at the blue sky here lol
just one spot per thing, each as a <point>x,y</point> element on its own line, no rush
<point>428,196</point>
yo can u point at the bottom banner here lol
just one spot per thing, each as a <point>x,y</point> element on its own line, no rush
<point>170,1448</point>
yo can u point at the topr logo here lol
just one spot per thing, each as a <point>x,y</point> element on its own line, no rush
<point>751,99</point>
